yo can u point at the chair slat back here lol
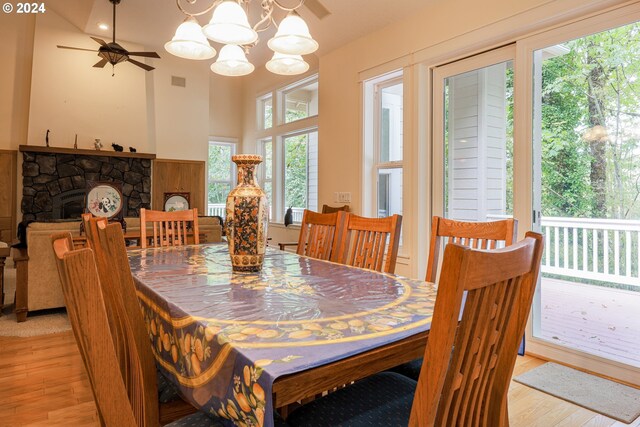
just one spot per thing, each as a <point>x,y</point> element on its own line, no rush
<point>477,235</point>
<point>466,380</point>
<point>120,297</point>
<point>168,228</point>
<point>318,234</point>
<point>88,316</point>
<point>370,243</point>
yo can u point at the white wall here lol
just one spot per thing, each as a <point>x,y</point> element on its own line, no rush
<point>16,50</point>
<point>181,113</point>
<point>69,96</point>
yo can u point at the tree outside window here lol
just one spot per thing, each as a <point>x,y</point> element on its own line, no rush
<point>220,176</point>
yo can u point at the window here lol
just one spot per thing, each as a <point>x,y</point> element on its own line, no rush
<point>289,146</point>
<point>220,177</point>
<point>300,101</point>
<point>265,109</point>
<point>301,172</point>
<point>384,121</point>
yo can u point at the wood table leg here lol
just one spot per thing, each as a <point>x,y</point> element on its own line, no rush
<point>20,259</point>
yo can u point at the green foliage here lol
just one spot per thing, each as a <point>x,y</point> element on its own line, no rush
<point>295,173</point>
<point>572,102</point>
<point>219,173</point>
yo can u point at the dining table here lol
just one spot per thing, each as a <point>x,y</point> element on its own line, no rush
<point>239,345</point>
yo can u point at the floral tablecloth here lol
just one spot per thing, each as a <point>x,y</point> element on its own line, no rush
<point>225,337</point>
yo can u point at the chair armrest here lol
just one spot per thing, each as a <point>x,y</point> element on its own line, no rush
<point>285,244</point>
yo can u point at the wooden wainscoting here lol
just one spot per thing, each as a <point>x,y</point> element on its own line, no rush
<point>8,176</point>
<point>173,176</point>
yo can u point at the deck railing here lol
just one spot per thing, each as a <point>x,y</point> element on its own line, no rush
<point>596,249</point>
<point>220,210</point>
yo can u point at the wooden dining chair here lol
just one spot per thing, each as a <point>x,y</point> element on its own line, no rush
<point>478,235</point>
<point>332,209</point>
<point>370,243</point>
<point>124,397</point>
<point>318,234</point>
<point>168,228</point>
<point>471,349</point>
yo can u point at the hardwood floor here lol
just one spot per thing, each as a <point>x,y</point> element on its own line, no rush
<point>43,383</point>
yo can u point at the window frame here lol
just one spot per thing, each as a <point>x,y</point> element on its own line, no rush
<point>282,98</point>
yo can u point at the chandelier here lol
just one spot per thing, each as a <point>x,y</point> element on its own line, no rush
<point>229,26</point>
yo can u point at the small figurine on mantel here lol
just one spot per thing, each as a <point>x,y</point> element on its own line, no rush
<point>117,147</point>
<point>46,137</point>
<point>75,144</point>
<point>97,144</point>
<point>132,149</point>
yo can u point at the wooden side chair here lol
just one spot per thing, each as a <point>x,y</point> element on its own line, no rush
<point>124,397</point>
<point>168,228</point>
<point>120,297</point>
<point>370,243</point>
<point>318,234</point>
<point>478,235</point>
<point>471,360</point>
<point>332,209</point>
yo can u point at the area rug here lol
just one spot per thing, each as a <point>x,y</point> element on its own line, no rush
<point>608,398</point>
<point>39,323</point>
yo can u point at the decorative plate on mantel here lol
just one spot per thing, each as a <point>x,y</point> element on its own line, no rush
<point>104,199</point>
<point>176,202</point>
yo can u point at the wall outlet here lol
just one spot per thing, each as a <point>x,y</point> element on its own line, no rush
<point>342,197</point>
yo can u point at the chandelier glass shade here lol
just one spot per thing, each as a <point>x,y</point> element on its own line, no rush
<point>189,42</point>
<point>287,65</point>
<point>230,26</point>
<point>232,62</point>
<point>293,37</point>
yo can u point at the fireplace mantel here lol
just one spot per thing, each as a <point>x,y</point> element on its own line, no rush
<point>83,152</point>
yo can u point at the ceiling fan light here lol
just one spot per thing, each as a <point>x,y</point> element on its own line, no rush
<point>287,65</point>
<point>189,42</point>
<point>229,25</point>
<point>293,37</point>
<point>232,62</point>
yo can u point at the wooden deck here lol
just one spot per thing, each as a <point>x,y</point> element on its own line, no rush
<point>601,321</point>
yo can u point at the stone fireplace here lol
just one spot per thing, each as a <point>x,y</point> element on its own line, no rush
<point>55,180</point>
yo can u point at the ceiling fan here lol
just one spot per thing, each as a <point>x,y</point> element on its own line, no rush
<point>112,53</point>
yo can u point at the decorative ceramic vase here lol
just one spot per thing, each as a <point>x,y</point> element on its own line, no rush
<point>247,217</point>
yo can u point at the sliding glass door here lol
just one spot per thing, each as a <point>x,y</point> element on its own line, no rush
<point>548,131</point>
<point>586,198</point>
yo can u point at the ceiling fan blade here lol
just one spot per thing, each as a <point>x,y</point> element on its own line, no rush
<point>76,48</point>
<point>317,8</point>
<point>141,65</point>
<point>99,41</point>
<point>101,63</point>
<point>146,54</point>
